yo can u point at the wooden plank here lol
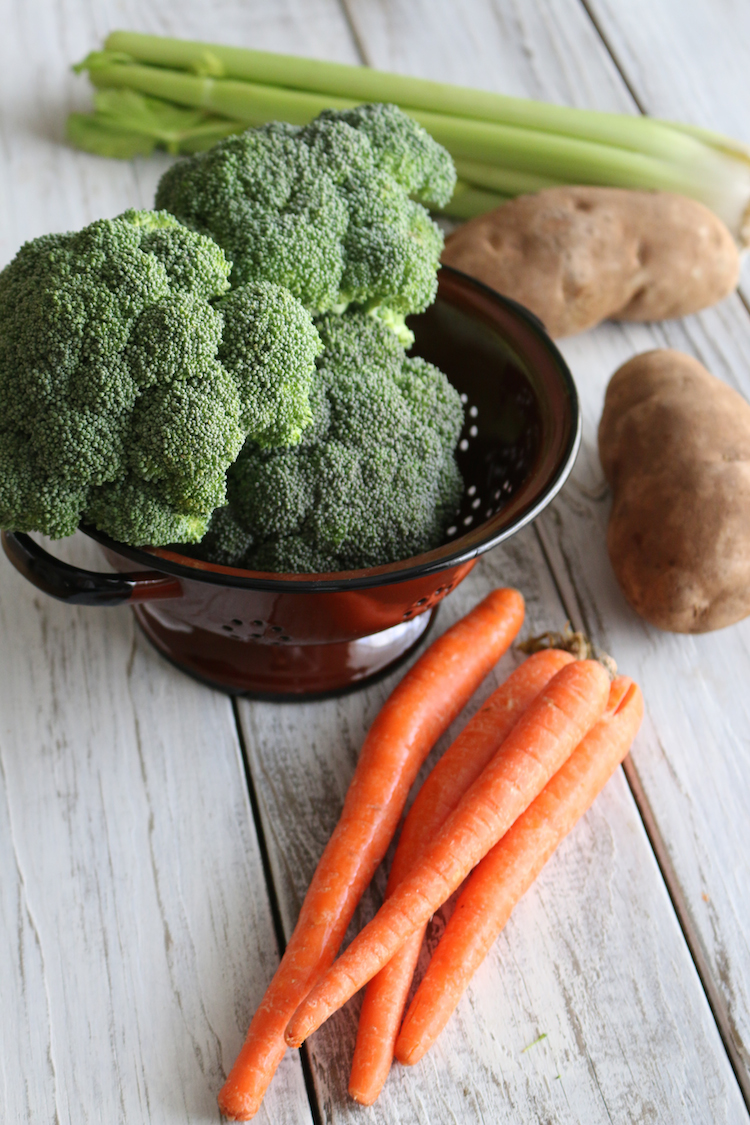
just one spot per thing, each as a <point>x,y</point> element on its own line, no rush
<point>596,935</point>
<point>136,931</point>
<point>553,51</point>
<point>689,62</point>
<point>685,61</point>
<point>137,935</point>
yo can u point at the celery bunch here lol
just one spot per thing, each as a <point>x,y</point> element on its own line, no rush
<point>183,96</point>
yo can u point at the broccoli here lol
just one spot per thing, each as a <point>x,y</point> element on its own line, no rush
<point>325,209</point>
<point>373,480</point>
<point>123,399</point>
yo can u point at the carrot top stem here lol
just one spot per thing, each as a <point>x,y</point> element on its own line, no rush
<point>574,642</point>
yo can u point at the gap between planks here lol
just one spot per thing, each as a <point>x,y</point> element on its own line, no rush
<point>272,897</point>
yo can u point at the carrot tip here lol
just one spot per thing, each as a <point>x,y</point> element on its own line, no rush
<point>408,1056</point>
<point>298,1030</point>
<point>362,1098</point>
<point>235,1113</point>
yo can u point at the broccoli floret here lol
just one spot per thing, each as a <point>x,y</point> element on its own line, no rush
<point>269,345</point>
<point>406,150</point>
<point>373,480</point>
<point>324,209</point>
<point>121,402</point>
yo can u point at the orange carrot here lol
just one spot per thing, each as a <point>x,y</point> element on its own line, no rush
<point>462,763</point>
<point>422,706</point>
<point>509,869</point>
<point>542,739</point>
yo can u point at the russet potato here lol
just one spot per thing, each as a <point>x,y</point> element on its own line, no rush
<point>674,443</point>
<point>578,255</point>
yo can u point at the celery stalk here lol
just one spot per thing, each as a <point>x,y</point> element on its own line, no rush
<point>637,133</point>
<point>502,145</point>
<point>126,123</point>
<point>506,181</point>
<point>468,202</point>
<point>248,102</point>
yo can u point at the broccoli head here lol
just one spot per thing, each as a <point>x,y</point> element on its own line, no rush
<point>325,210</point>
<point>373,480</point>
<point>121,401</point>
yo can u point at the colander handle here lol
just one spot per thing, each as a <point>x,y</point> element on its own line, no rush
<point>84,587</point>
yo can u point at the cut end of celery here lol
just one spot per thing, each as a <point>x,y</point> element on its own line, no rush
<point>99,137</point>
<point>126,123</point>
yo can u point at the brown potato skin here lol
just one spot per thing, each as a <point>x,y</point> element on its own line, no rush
<point>674,443</point>
<point>577,255</point>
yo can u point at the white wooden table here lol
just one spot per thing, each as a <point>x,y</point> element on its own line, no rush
<point>156,839</point>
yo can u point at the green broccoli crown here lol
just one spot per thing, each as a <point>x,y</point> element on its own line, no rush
<point>324,209</point>
<point>269,346</point>
<point>114,405</point>
<point>402,147</point>
<point>373,480</point>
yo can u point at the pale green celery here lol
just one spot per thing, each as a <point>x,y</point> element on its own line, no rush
<point>103,138</point>
<point>569,160</point>
<point>506,181</point>
<point>719,141</point>
<point>635,132</point>
<point>534,144</point>
<point>126,123</point>
<point>468,202</point>
<point>565,159</point>
<point>252,104</point>
<point>561,158</point>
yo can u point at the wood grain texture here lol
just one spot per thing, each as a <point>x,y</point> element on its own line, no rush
<point>689,62</point>
<point>686,62</point>
<point>135,933</point>
<point>692,767</point>
<point>596,935</point>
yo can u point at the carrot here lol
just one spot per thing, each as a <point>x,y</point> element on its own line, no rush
<point>386,994</point>
<point>509,869</point>
<point>422,706</point>
<point>535,749</point>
